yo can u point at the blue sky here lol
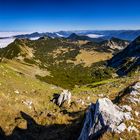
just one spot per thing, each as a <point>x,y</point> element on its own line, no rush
<point>54,15</point>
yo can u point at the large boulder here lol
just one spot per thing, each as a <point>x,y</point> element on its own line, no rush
<point>101,117</point>
<point>64,96</point>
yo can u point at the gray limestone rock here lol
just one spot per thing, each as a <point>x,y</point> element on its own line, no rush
<point>100,117</point>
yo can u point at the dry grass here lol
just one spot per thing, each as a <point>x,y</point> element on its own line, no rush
<point>43,111</point>
<point>90,57</point>
<point>27,69</point>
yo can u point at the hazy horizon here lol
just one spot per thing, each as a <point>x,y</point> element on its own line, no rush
<point>74,30</point>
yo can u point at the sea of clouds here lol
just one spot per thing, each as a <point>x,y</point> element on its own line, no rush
<point>7,38</point>
<point>94,35</point>
<point>5,42</point>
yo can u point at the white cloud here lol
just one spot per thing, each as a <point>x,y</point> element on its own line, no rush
<point>10,34</point>
<point>34,38</point>
<point>6,42</point>
<point>94,35</point>
<point>59,34</point>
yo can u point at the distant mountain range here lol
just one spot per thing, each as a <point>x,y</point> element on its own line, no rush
<point>100,34</point>
<point>86,35</point>
<point>75,37</point>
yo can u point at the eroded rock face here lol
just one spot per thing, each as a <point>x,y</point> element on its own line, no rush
<point>115,44</point>
<point>102,116</point>
<point>65,96</point>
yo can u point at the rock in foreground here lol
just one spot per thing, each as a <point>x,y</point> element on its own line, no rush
<point>65,96</point>
<point>101,117</point>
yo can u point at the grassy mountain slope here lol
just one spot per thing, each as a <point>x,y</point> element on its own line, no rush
<point>62,58</point>
<point>43,118</point>
<point>27,111</point>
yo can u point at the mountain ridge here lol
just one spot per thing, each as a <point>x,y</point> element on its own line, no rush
<point>127,59</point>
<point>107,34</point>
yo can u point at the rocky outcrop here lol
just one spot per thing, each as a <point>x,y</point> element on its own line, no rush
<point>101,117</point>
<point>65,96</point>
<point>114,45</point>
<point>107,116</point>
<point>134,92</point>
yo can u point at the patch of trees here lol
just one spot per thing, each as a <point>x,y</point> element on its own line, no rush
<point>67,75</point>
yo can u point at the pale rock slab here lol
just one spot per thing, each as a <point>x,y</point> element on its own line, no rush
<point>103,116</point>
<point>64,96</point>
